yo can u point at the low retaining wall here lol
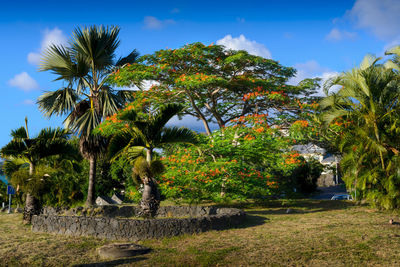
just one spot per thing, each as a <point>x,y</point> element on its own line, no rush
<point>132,211</point>
<point>211,218</point>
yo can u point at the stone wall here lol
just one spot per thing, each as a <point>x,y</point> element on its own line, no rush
<point>113,211</point>
<point>210,218</point>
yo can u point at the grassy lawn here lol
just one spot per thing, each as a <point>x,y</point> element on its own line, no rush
<point>316,233</point>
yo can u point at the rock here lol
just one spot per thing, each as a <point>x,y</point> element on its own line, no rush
<point>118,199</point>
<point>118,251</point>
<point>103,200</point>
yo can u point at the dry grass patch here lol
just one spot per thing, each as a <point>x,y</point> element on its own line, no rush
<point>315,233</point>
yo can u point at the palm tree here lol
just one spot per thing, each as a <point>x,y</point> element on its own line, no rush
<point>368,99</point>
<point>137,142</point>
<point>86,98</point>
<point>23,149</point>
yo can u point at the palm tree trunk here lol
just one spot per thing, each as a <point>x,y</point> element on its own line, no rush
<point>92,178</point>
<point>150,197</point>
<point>32,205</point>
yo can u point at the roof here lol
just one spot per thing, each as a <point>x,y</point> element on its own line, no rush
<point>309,149</point>
<point>330,158</point>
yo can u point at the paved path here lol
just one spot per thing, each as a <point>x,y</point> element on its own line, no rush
<point>329,192</point>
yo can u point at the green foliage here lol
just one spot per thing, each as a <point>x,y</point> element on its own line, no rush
<point>45,166</point>
<point>85,66</point>
<point>87,98</point>
<point>249,160</point>
<point>133,137</point>
<point>367,106</point>
<point>215,84</point>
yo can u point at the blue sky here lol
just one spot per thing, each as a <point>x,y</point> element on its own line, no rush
<point>319,38</point>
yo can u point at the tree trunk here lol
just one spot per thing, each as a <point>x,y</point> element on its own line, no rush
<point>206,126</point>
<point>32,207</point>
<point>200,115</point>
<point>151,196</point>
<point>90,201</point>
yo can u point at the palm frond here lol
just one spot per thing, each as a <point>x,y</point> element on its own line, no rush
<point>393,51</point>
<point>53,134</point>
<point>129,59</point>
<point>177,135</point>
<point>96,45</point>
<point>84,124</point>
<point>12,165</point>
<point>110,101</point>
<point>19,133</point>
<point>59,102</point>
<point>62,62</point>
<point>129,115</point>
<point>125,142</point>
<point>163,115</point>
<point>15,148</point>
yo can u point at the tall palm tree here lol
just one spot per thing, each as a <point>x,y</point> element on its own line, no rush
<point>84,66</point>
<point>369,99</point>
<point>23,149</point>
<point>141,137</point>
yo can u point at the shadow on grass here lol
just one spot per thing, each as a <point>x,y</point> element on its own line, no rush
<point>112,262</point>
<point>252,220</point>
<point>300,206</point>
<point>296,206</point>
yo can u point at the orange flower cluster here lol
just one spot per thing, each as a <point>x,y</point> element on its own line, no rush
<point>249,137</point>
<point>251,95</point>
<point>187,158</point>
<point>182,77</point>
<point>205,177</point>
<point>256,118</point>
<point>293,158</point>
<point>301,123</point>
<point>201,77</point>
<point>196,77</point>
<point>260,130</point>
<point>262,93</point>
<point>272,184</point>
<point>113,118</point>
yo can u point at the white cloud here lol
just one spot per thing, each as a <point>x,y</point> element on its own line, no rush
<point>312,69</point>
<point>153,23</point>
<point>34,58</point>
<point>307,69</point>
<point>24,82</point>
<point>379,16</point>
<point>54,36</point>
<point>241,20</point>
<point>338,35</point>
<point>241,43</point>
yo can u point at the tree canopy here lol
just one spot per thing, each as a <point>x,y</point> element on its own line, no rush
<point>216,84</point>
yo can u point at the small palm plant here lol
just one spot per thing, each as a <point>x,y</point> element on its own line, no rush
<point>24,150</point>
<point>137,141</point>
